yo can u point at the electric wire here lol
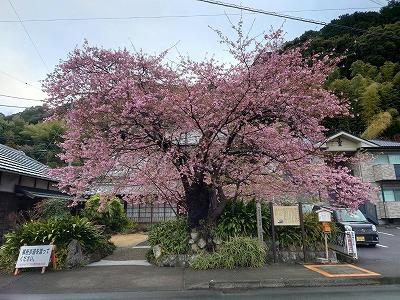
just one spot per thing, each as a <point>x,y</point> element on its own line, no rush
<point>14,106</point>
<point>22,98</point>
<point>29,36</point>
<point>177,16</point>
<point>17,79</point>
<point>376,2</point>
<point>290,17</point>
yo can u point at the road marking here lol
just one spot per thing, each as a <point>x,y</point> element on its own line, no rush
<point>334,271</point>
<point>141,247</point>
<point>386,233</point>
<point>398,227</point>
<point>383,246</point>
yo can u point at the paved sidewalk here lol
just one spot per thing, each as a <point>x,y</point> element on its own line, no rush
<point>150,278</point>
<point>129,252</point>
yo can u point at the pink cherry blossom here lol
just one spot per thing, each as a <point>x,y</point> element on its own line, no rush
<point>198,132</point>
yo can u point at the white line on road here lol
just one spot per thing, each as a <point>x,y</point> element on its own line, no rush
<point>386,233</point>
<point>383,246</point>
<point>141,247</point>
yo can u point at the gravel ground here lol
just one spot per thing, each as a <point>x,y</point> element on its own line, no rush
<point>128,240</point>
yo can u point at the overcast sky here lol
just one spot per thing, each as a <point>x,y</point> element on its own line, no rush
<point>21,67</point>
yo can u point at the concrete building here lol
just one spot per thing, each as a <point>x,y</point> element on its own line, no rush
<point>382,171</point>
<point>23,182</point>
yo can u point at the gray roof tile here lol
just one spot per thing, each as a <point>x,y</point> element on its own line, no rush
<point>382,143</point>
<point>18,162</point>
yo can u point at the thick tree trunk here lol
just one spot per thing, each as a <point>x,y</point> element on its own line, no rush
<point>203,203</point>
<point>198,203</point>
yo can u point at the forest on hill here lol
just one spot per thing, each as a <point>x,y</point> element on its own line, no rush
<point>368,75</point>
<point>27,131</point>
<point>369,70</point>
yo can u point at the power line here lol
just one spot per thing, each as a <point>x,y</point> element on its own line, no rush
<point>14,106</point>
<point>17,79</point>
<point>22,98</point>
<point>176,16</point>
<point>29,36</point>
<point>376,2</point>
<point>290,17</point>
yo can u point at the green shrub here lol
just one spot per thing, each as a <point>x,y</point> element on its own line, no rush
<point>239,219</point>
<point>234,253</point>
<point>52,208</point>
<point>58,231</point>
<point>7,261</point>
<point>291,235</point>
<point>150,257</point>
<point>112,215</point>
<point>172,236</point>
<point>131,226</point>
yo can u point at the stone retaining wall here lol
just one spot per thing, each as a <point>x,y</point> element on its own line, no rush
<point>290,255</point>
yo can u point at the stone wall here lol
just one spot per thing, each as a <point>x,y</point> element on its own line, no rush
<point>366,171</point>
<point>384,172</point>
<point>294,255</point>
<point>291,255</point>
<point>388,210</point>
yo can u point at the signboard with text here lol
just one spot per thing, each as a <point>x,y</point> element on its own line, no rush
<point>345,243</point>
<point>324,216</point>
<point>286,216</point>
<point>34,256</point>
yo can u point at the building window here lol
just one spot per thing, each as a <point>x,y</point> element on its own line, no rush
<point>382,159</point>
<point>391,195</point>
<point>394,159</point>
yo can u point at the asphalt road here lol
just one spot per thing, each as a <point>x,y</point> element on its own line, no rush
<point>385,257</point>
<point>382,292</point>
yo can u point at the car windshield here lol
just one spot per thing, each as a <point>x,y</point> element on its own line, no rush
<point>344,215</point>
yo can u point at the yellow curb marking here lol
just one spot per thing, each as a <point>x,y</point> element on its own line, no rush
<point>317,268</point>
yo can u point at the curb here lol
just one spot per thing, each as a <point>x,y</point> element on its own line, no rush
<point>315,282</point>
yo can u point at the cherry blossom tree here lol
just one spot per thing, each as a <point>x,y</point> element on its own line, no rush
<point>199,132</point>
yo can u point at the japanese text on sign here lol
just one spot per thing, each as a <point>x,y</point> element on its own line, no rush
<point>34,256</point>
<point>286,215</point>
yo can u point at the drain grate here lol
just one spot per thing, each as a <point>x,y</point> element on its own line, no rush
<point>345,270</point>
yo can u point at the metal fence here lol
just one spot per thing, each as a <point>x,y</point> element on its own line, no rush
<point>150,213</point>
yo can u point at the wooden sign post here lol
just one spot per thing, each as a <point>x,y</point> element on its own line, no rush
<point>325,217</point>
<point>287,216</point>
<point>260,231</point>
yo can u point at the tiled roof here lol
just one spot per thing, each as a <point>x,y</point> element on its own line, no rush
<point>15,161</point>
<point>41,193</point>
<point>382,143</point>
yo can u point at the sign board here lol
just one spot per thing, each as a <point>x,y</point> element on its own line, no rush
<point>286,216</point>
<point>34,256</point>
<point>345,243</point>
<point>324,215</point>
<point>326,227</point>
<point>351,243</point>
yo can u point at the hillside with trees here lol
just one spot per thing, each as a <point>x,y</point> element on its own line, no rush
<point>369,71</point>
<point>27,132</point>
